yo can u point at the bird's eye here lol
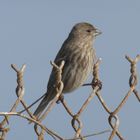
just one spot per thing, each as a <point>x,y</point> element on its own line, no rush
<point>88,31</point>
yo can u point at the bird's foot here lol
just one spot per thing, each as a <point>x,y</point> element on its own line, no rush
<point>96,83</point>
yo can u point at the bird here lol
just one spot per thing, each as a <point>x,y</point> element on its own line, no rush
<point>79,56</point>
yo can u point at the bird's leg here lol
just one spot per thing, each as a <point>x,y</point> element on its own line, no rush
<point>94,83</point>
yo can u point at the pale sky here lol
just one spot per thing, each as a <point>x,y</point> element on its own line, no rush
<point>32,32</point>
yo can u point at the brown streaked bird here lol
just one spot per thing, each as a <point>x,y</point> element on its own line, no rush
<point>79,56</point>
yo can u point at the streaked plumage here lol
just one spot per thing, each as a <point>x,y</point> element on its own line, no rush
<point>79,56</point>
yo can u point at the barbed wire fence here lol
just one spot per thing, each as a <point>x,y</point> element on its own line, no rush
<point>76,123</point>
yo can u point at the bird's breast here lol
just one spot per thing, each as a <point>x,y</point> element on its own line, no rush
<point>77,68</point>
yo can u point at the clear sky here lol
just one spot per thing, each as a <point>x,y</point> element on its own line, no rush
<point>33,31</point>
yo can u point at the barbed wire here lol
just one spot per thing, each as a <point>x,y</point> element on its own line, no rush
<point>76,123</point>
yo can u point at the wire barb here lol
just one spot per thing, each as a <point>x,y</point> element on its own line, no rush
<point>76,121</point>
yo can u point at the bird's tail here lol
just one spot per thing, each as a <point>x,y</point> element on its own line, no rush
<point>45,101</point>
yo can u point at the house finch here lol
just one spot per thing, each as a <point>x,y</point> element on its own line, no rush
<point>79,56</point>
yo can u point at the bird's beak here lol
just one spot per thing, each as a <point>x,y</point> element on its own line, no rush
<point>98,32</point>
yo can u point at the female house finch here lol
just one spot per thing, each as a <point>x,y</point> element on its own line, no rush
<point>79,56</point>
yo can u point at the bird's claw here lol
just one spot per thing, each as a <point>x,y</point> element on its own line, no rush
<point>96,83</point>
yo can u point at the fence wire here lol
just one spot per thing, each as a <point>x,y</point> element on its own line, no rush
<point>76,123</point>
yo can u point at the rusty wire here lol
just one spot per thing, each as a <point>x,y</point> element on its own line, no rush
<point>20,93</point>
<point>76,122</point>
